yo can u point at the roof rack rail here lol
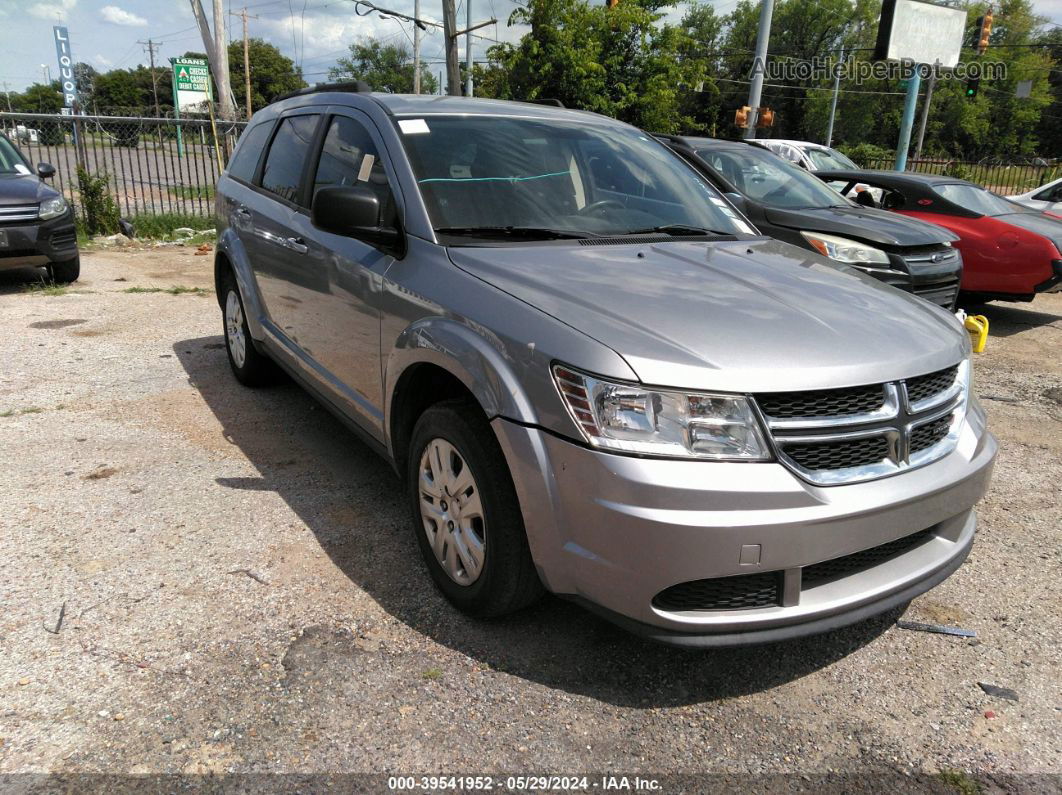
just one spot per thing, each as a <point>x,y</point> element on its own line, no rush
<point>352,86</point>
<point>546,101</point>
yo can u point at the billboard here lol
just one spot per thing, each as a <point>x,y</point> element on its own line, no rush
<point>66,66</point>
<point>910,30</point>
<point>191,84</point>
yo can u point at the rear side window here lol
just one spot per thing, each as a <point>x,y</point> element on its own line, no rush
<point>245,159</point>
<point>282,173</point>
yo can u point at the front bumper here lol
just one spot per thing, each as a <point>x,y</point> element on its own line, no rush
<point>615,531</point>
<point>1053,284</point>
<point>32,243</point>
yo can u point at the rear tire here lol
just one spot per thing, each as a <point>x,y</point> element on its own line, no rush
<point>65,272</point>
<point>466,515</point>
<point>250,367</point>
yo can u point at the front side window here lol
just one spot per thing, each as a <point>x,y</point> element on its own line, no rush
<point>244,160</point>
<point>282,173</point>
<point>1052,194</point>
<point>768,179</point>
<point>348,158</point>
<point>572,176</point>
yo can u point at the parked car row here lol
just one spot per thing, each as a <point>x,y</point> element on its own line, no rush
<point>595,375</point>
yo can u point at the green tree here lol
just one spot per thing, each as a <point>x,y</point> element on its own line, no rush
<point>385,67</point>
<point>272,74</point>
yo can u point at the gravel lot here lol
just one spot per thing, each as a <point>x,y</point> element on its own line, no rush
<point>240,591</point>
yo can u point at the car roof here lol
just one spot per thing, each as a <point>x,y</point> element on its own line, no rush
<point>894,177</point>
<point>791,142</point>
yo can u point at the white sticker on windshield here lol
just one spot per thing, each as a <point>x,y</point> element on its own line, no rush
<point>413,126</point>
<point>366,168</point>
<point>21,169</point>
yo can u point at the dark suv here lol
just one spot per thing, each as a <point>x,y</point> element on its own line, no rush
<point>36,222</point>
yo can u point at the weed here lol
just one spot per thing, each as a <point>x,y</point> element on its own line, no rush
<point>959,781</point>
<point>176,289</point>
<point>101,211</point>
<point>13,412</point>
<point>46,288</point>
<point>193,191</point>
<point>432,674</point>
<point>161,226</point>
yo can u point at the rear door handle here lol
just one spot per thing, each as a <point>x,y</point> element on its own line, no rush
<point>296,244</point>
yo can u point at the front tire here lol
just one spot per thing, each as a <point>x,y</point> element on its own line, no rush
<point>65,272</point>
<point>466,514</point>
<point>250,367</point>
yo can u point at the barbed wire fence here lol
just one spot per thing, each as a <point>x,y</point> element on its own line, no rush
<point>152,166</point>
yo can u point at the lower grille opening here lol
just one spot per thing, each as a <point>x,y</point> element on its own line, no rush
<point>840,454</point>
<point>740,592</point>
<point>835,569</point>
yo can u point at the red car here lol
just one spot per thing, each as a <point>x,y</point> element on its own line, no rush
<point>1009,252</point>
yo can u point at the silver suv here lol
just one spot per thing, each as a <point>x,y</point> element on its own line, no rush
<point>595,376</point>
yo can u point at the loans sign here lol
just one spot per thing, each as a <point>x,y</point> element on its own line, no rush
<point>191,83</point>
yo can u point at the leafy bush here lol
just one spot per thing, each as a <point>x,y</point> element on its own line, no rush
<point>957,170</point>
<point>162,225</point>
<point>101,211</point>
<point>864,154</point>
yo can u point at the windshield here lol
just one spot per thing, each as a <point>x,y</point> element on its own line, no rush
<point>829,160</point>
<point>976,199</point>
<point>10,160</point>
<point>576,178</point>
<point>766,178</point>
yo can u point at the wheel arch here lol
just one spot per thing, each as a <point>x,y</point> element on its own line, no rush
<point>232,257</point>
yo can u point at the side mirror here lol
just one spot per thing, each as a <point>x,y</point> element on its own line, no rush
<point>352,211</point>
<point>739,202</point>
<point>45,170</point>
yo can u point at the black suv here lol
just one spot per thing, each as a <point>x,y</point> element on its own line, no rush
<point>788,203</point>
<point>36,222</point>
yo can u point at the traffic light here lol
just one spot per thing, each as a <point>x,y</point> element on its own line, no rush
<point>741,116</point>
<point>765,118</point>
<point>984,32</point>
<point>971,87</point>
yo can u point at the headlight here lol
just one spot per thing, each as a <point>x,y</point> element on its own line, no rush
<point>844,250</point>
<point>629,418</point>
<point>52,208</point>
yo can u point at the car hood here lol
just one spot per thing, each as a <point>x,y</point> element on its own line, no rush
<point>23,189</point>
<point>1040,223</point>
<point>863,223</point>
<point>743,316</point>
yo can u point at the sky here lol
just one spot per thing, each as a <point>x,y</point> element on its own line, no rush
<point>313,33</point>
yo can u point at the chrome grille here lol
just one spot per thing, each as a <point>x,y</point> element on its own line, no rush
<point>853,434</point>
<point>18,212</point>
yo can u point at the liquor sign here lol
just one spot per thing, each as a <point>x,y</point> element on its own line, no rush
<point>191,83</point>
<point>66,66</point>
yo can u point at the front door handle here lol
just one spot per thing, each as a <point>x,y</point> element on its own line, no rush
<point>296,244</point>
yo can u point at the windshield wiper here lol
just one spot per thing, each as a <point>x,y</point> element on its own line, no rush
<point>680,230</point>
<point>530,232</point>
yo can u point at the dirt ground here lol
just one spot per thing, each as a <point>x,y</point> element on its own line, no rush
<point>199,578</point>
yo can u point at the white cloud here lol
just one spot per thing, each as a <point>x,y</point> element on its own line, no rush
<point>119,16</point>
<point>103,61</point>
<point>52,11</point>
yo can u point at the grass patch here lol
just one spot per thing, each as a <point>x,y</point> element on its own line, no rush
<point>46,288</point>
<point>13,412</point>
<point>193,191</point>
<point>432,674</point>
<point>161,226</point>
<point>176,289</point>
<point>959,781</point>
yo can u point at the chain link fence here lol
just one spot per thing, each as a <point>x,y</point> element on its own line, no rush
<point>1004,177</point>
<point>150,166</point>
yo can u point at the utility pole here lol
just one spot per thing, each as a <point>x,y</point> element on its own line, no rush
<point>925,111</point>
<point>151,46</point>
<point>46,73</point>
<point>910,102</point>
<point>468,48</point>
<point>246,58</point>
<point>836,91</point>
<point>217,54</point>
<point>759,65</point>
<point>416,48</point>
<point>8,95</point>
<point>453,64</point>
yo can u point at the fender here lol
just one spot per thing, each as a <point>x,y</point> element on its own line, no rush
<point>230,245</point>
<point>474,355</point>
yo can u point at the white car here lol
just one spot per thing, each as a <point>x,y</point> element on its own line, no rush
<point>813,157</point>
<point>1047,198</point>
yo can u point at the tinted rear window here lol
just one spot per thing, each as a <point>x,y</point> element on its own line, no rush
<point>245,160</point>
<point>282,173</point>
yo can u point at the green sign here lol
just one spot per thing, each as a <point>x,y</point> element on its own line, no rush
<point>191,74</point>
